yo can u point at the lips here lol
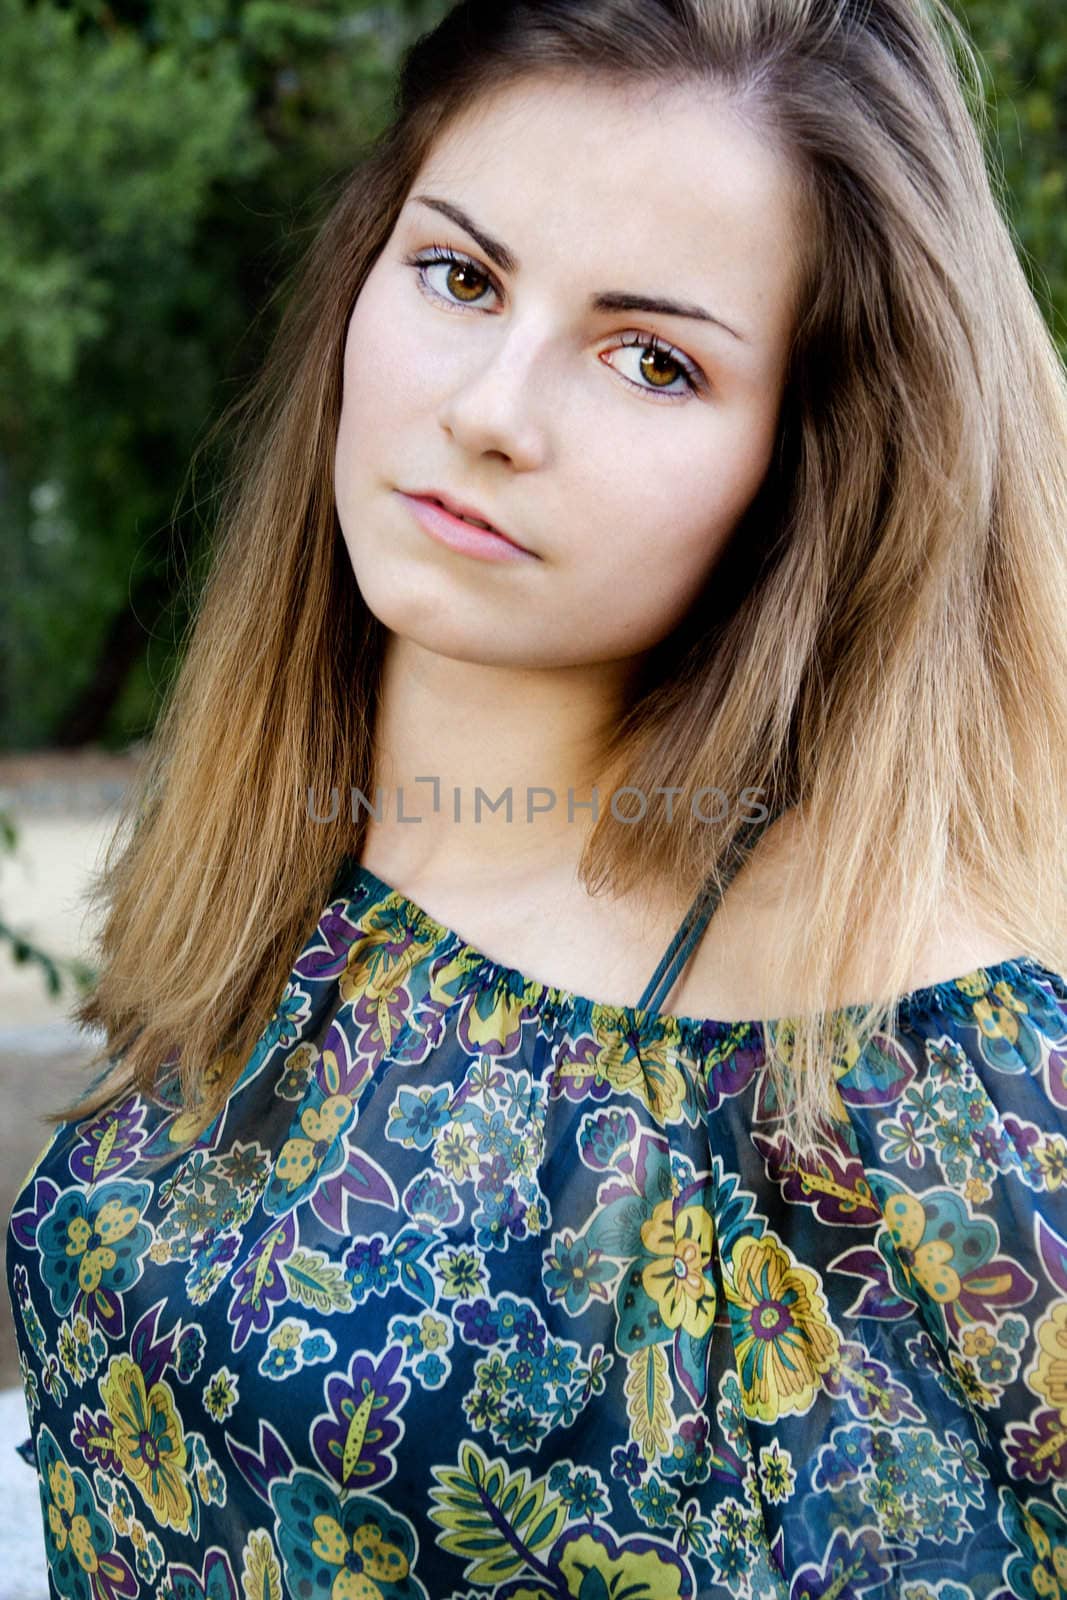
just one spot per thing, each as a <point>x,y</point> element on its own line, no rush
<point>433,513</point>
<point>469,513</point>
<point>475,522</point>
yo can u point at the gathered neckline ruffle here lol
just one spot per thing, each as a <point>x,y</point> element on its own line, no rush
<point>566,1005</point>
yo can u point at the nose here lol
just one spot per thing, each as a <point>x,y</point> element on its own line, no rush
<point>498,405</point>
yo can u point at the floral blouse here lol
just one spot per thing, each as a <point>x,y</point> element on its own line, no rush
<point>477,1287</point>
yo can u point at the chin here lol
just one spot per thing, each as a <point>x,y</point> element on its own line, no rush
<point>426,617</point>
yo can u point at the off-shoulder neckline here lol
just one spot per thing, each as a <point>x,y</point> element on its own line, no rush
<point>564,1002</point>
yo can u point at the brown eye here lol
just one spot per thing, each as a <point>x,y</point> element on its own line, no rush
<point>659,366</point>
<point>458,280</point>
<point>652,362</point>
<point>463,283</point>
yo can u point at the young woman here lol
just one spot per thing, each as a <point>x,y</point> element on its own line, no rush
<point>655,499</point>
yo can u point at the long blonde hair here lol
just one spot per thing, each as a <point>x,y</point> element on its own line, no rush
<point>882,648</point>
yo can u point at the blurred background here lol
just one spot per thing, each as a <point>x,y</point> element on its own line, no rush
<point>162,166</point>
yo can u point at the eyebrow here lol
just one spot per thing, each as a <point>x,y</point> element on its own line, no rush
<point>606,300</point>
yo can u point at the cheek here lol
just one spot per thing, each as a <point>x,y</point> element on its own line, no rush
<point>383,393</point>
<point>662,520</point>
<point>389,366</point>
<point>673,509</point>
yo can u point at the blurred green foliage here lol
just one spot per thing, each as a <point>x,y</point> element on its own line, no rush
<point>1023,44</point>
<point>162,162</point>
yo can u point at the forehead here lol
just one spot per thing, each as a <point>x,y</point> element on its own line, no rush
<point>672,184</point>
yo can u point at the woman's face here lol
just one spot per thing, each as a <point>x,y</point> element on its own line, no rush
<point>526,385</point>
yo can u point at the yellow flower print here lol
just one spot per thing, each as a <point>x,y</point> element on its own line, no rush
<point>492,1375</point>
<point>1050,1379</point>
<point>997,1010</point>
<point>977,1342</point>
<point>1051,1155</point>
<point>260,1572</point>
<point>777,1472</point>
<point>1049,1585</point>
<point>301,1156</point>
<point>494,1021</point>
<point>730,1519</point>
<point>462,1274</point>
<point>148,1440</point>
<point>500,1023</point>
<point>361,1559</point>
<point>593,1563</point>
<point>626,1573</point>
<point>92,1240</point>
<point>63,1522</point>
<point>648,1071</point>
<point>678,1279</point>
<point>976,1391</point>
<point>299,1064</point>
<point>454,1152</point>
<point>783,1338</point>
<point>434,1332</point>
<point>371,971</point>
<point>927,1263</point>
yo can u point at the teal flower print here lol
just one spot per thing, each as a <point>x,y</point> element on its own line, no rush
<point>941,1255</point>
<point>355,1549</point>
<point>573,1273</point>
<point>79,1541</point>
<point>415,1118</point>
<point>654,1501</point>
<point>93,1247</point>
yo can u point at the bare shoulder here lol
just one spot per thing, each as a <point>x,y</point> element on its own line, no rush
<point>960,944</point>
<point>728,976</point>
